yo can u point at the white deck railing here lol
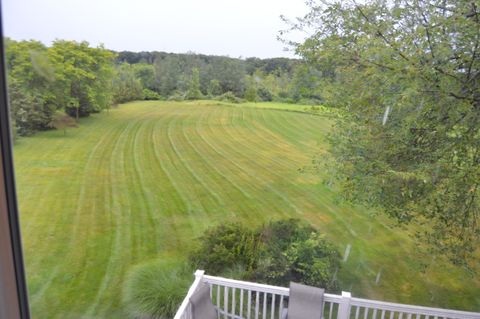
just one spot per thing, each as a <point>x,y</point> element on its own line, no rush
<point>235,299</point>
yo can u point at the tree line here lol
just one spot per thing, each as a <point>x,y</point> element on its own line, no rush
<point>50,85</point>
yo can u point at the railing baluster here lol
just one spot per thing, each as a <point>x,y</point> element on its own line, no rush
<point>273,307</point>
<point>280,308</point>
<point>225,302</point>
<point>249,304</point>
<point>357,312</point>
<point>383,315</point>
<point>218,301</point>
<point>365,313</point>
<point>264,315</point>
<point>241,303</point>
<point>392,314</point>
<point>409,316</point>
<point>234,302</point>
<point>257,301</point>
<point>330,312</point>
<point>374,316</point>
<point>400,315</point>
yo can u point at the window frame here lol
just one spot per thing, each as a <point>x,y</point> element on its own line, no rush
<point>13,287</point>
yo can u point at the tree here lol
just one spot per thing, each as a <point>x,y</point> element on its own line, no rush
<point>83,77</point>
<point>306,83</point>
<point>194,92</point>
<point>146,74</point>
<point>214,88</point>
<point>251,91</point>
<point>407,76</point>
<point>31,82</point>
<point>126,86</point>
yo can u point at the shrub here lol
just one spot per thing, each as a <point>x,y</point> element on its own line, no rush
<point>226,247</point>
<point>264,94</point>
<point>177,96</point>
<point>228,97</point>
<point>151,95</point>
<point>276,253</point>
<point>156,289</point>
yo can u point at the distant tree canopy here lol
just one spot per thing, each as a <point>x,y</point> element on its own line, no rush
<point>79,80</point>
<point>407,75</point>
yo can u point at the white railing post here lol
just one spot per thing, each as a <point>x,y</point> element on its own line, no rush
<point>199,274</point>
<point>344,306</point>
<point>185,309</point>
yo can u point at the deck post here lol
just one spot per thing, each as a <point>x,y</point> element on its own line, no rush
<point>344,306</point>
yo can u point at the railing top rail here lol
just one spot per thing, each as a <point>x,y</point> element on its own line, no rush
<point>428,311</point>
<point>245,285</point>
<point>259,287</point>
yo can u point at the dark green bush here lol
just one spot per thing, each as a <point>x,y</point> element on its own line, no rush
<point>225,247</point>
<point>156,289</point>
<point>228,97</point>
<point>151,95</point>
<point>276,253</point>
<point>264,94</point>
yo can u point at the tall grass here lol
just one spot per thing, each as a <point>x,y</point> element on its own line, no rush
<point>156,289</point>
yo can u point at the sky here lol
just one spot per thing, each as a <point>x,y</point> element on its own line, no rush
<point>237,28</point>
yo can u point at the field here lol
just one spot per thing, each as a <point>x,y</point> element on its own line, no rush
<point>144,180</point>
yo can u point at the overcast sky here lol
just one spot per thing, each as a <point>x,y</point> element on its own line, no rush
<point>222,27</point>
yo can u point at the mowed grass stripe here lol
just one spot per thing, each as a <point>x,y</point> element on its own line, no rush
<point>251,166</point>
<point>233,199</point>
<point>254,178</point>
<point>67,229</point>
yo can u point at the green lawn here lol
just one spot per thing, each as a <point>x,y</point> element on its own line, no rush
<point>144,180</point>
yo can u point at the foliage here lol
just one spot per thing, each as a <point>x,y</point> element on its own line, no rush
<point>28,111</point>
<point>225,247</point>
<point>276,253</point>
<point>264,94</point>
<point>251,91</point>
<point>306,83</point>
<point>214,88</point>
<point>31,86</point>
<point>407,75</point>
<point>83,77</point>
<point>126,86</point>
<point>228,97</point>
<point>294,251</point>
<point>145,73</point>
<point>156,289</point>
<point>194,92</point>
<point>150,95</point>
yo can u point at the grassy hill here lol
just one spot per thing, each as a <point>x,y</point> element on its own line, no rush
<point>144,180</point>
